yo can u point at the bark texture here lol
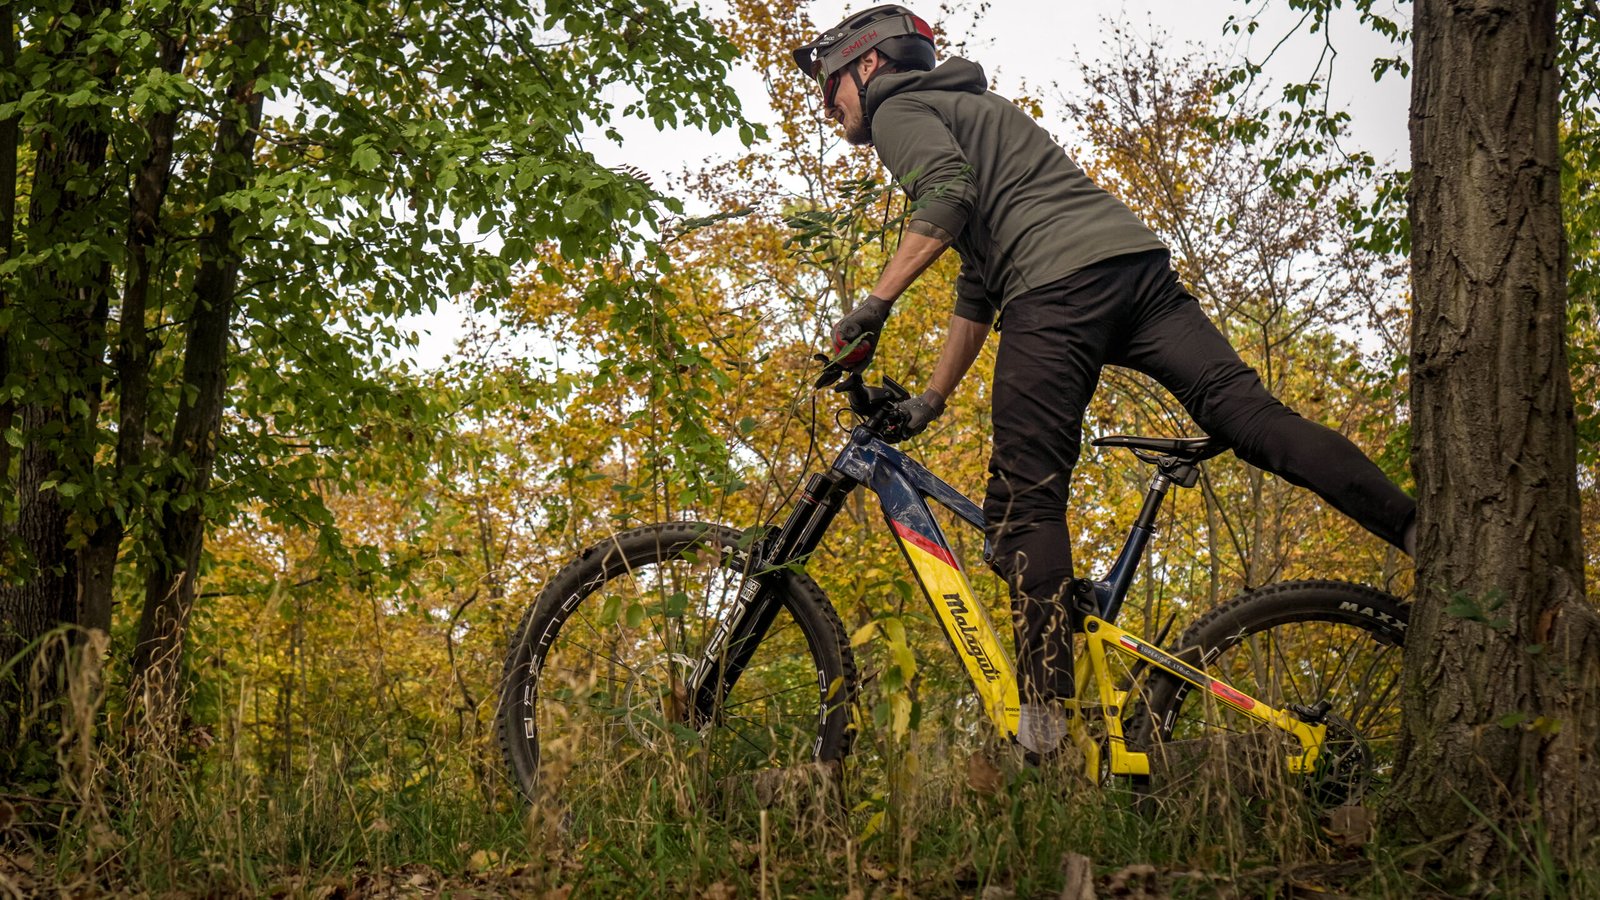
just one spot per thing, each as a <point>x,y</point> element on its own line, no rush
<point>51,352</point>
<point>1501,662</point>
<point>170,585</point>
<point>10,146</point>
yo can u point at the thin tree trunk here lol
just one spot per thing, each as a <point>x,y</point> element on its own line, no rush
<point>132,362</point>
<point>170,585</point>
<point>1503,658</point>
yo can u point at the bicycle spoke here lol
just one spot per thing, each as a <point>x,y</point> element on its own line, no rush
<point>1300,646</point>
<point>612,699</point>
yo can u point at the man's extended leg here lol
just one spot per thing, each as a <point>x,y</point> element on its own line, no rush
<point>1173,341</point>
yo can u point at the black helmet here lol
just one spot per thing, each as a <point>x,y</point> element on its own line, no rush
<point>894,31</point>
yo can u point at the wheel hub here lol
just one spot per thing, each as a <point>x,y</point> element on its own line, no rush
<point>657,698</point>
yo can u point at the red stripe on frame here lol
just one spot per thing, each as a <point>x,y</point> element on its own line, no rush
<point>1232,696</point>
<point>923,543</point>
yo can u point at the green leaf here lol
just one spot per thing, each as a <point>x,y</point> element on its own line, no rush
<point>366,158</point>
<point>634,615</point>
<point>1512,720</point>
<point>1464,606</point>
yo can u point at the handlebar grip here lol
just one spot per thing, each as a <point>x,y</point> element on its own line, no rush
<point>856,356</point>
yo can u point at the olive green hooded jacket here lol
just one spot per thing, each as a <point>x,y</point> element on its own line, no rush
<point>1023,214</point>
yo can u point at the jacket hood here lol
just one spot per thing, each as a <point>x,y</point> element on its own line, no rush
<point>954,74</point>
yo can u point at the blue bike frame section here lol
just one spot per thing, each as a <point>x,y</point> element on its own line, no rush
<point>903,486</point>
<point>901,483</point>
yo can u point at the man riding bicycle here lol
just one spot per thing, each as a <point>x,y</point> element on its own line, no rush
<point>1072,280</point>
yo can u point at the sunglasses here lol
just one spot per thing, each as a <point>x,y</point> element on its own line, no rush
<point>830,89</point>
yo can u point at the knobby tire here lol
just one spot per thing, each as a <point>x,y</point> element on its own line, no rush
<point>593,696</point>
<point>1295,642</point>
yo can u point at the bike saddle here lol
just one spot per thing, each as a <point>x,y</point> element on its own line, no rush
<point>1181,450</point>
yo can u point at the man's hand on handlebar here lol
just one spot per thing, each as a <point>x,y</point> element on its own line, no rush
<point>911,417</point>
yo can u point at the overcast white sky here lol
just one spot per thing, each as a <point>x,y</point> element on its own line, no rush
<point>1037,43</point>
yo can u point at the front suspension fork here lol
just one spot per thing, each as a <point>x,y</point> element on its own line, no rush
<point>739,633</point>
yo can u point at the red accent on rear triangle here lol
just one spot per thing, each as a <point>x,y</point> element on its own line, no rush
<point>923,543</point>
<point>1232,696</point>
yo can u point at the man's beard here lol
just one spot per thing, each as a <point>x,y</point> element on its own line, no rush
<point>859,133</point>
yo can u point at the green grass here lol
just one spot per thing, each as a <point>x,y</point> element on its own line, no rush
<point>381,805</point>
<point>214,825</point>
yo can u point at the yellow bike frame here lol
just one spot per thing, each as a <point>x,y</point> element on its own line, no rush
<point>904,487</point>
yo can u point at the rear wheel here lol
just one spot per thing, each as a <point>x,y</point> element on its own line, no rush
<point>594,705</point>
<point>1327,647</point>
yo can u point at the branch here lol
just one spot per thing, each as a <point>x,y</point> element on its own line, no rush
<point>1589,9</point>
<point>318,578</point>
<point>450,649</point>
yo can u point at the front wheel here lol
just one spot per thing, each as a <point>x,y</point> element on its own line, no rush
<point>1329,648</point>
<point>595,704</point>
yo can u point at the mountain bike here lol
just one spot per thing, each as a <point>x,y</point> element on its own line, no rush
<point>690,646</point>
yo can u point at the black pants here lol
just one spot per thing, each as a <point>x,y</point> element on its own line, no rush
<point>1131,311</point>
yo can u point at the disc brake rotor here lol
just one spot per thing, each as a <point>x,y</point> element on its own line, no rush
<point>652,705</point>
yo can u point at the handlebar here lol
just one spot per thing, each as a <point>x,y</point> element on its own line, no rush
<point>875,405</point>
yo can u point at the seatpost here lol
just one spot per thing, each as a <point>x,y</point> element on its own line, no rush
<point>1115,589</point>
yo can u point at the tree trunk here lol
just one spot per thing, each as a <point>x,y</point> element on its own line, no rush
<point>1503,658</point>
<point>10,145</point>
<point>51,351</point>
<point>132,363</point>
<point>170,585</point>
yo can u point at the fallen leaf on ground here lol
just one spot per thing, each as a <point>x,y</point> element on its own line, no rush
<point>1349,827</point>
<point>983,776</point>
<point>482,861</point>
<point>1137,880</point>
<point>1078,877</point>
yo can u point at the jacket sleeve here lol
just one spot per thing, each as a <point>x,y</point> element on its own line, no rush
<point>972,300</point>
<point>925,159</point>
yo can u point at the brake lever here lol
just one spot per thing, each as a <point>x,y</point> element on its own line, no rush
<point>831,371</point>
<point>864,400</point>
<point>860,395</point>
